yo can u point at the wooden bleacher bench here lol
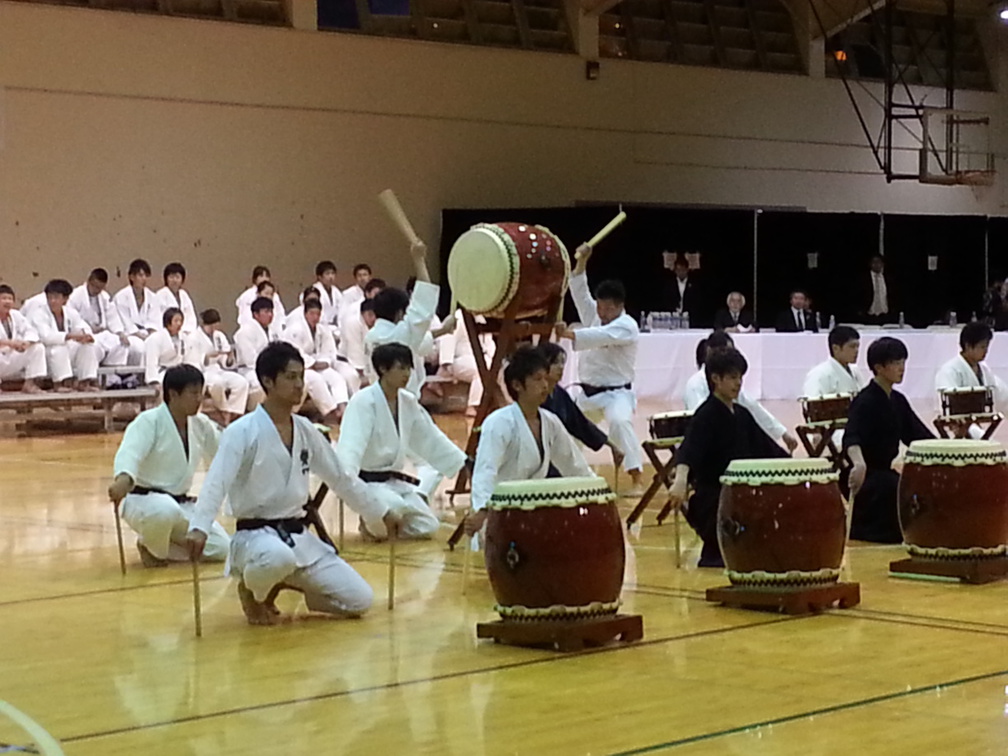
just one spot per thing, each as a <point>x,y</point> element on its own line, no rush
<point>121,370</point>
<point>99,401</point>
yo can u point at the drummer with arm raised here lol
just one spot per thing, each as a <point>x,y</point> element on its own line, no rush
<point>522,440</point>
<point>968,369</point>
<point>722,430</point>
<point>880,417</point>
<point>608,340</point>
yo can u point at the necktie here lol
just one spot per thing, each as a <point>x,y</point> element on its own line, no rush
<point>798,321</point>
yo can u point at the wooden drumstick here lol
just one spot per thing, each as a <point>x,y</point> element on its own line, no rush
<point>197,602</point>
<point>391,204</point>
<point>609,228</point>
<point>466,562</point>
<point>393,532</point>
<point>677,536</point>
<point>122,551</point>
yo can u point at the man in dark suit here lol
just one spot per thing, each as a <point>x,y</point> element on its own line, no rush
<point>683,293</point>
<point>797,317</point>
<point>875,300</point>
<point>734,317</point>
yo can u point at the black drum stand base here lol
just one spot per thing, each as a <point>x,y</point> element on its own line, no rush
<point>799,600</point>
<point>564,635</point>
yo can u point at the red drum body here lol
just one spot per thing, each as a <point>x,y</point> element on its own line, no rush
<point>953,499</point>
<point>493,264</point>
<point>781,523</point>
<point>978,400</point>
<point>825,409</point>
<point>669,424</point>
<point>554,549</point>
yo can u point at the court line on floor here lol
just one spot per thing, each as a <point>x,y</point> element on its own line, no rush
<point>549,659</point>
<point>871,701</point>
<point>937,624</point>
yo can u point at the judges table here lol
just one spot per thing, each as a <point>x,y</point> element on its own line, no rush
<point>778,362</point>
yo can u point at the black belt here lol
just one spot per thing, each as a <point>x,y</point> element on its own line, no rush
<point>386,476</point>
<point>180,498</point>
<point>590,390</point>
<point>283,527</point>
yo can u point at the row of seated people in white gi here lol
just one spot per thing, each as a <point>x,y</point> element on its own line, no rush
<point>262,461</point>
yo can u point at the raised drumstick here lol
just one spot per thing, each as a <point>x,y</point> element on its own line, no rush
<point>609,227</point>
<point>391,204</point>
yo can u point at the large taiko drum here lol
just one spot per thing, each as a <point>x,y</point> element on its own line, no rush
<point>781,523</point>
<point>669,425</point>
<point>554,549</point>
<point>953,499</point>
<point>969,400</point>
<point>492,264</point>
<point>823,410</point>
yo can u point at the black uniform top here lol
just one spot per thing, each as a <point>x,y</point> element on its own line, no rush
<point>716,436</point>
<point>877,422</point>
<point>584,430</point>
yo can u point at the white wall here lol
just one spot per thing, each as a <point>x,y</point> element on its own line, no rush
<point>226,145</point>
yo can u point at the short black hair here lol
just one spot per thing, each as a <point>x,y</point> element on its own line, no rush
<point>680,262</point>
<point>359,267</point>
<point>310,293</point>
<point>5,289</point>
<point>173,268</point>
<point>974,333</point>
<point>612,291</point>
<point>798,291</point>
<point>99,274</point>
<point>722,362</point>
<point>526,361</point>
<point>262,303</point>
<point>842,335</point>
<point>312,303</point>
<point>260,270</point>
<point>324,267</point>
<point>59,286</point>
<point>274,359</point>
<point>374,283</point>
<point>387,356</point>
<point>167,315</point>
<point>210,316</point>
<point>717,340</point>
<point>180,377</point>
<point>551,352</point>
<point>884,351</point>
<point>262,285</point>
<point>410,284</point>
<point>139,266</point>
<point>367,306</point>
<point>390,302</point>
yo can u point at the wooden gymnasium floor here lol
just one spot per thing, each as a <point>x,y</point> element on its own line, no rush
<point>109,664</point>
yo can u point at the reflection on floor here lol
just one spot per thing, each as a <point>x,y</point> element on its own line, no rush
<point>109,665</point>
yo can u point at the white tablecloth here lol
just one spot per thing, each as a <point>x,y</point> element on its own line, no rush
<point>778,362</point>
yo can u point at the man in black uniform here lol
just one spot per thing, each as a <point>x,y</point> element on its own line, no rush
<point>880,417</point>
<point>720,432</point>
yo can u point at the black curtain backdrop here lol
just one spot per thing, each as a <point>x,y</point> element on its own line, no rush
<point>843,244</point>
<point>633,253</point>
<point>958,242</point>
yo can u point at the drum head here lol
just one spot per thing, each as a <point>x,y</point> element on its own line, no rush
<point>483,269</point>
<point>550,492</point>
<point>955,451</point>
<point>781,471</point>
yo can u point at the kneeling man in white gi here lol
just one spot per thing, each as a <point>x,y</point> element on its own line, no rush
<point>262,466</point>
<point>154,469</point>
<point>520,441</point>
<point>384,424</point>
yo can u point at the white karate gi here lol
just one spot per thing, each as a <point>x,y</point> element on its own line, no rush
<point>508,451</point>
<point>370,439</point>
<point>228,391</point>
<point>264,480</point>
<point>103,319</point>
<point>29,364</point>
<point>353,331</point>
<point>162,352</point>
<point>413,331</point>
<point>65,359</point>
<point>249,341</point>
<point>138,322</point>
<point>351,295</point>
<point>956,373</point>
<point>830,377</point>
<point>697,391</point>
<point>152,454</point>
<point>165,300</point>
<point>609,353</point>
<point>327,388</point>
<point>332,303</point>
<point>456,351</point>
<point>244,305</point>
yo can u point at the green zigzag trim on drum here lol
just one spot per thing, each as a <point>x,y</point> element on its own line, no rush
<point>795,578</point>
<point>557,611</point>
<point>942,553</point>
<point>955,460</point>
<point>774,477</point>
